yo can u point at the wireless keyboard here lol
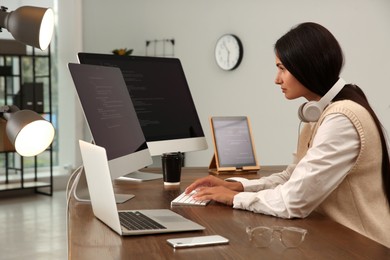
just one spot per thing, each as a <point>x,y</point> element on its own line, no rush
<point>187,200</point>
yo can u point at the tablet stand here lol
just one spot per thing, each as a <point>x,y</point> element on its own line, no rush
<point>214,168</point>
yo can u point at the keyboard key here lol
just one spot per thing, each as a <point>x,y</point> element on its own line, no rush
<point>187,200</point>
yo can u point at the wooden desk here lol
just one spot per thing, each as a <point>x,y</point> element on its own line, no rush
<point>91,239</point>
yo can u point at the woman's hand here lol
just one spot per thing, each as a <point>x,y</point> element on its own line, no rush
<point>209,181</point>
<point>217,193</point>
<point>213,188</point>
<point>212,181</point>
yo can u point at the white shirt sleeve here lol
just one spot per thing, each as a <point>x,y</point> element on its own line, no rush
<point>298,190</point>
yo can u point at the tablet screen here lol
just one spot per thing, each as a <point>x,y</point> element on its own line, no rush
<point>233,141</point>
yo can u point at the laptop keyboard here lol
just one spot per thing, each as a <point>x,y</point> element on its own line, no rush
<point>138,221</point>
<point>186,199</point>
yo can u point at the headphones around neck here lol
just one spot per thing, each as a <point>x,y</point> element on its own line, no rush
<point>312,110</point>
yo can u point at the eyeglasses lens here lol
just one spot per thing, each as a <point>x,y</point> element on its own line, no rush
<point>291,237</point>
<point>262,237</point>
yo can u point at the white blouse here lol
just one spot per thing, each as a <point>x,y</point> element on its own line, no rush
<point>299,189</point>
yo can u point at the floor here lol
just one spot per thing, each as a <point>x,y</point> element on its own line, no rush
<point>33,226</point>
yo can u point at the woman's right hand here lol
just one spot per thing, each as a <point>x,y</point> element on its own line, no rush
<point>212,181</point>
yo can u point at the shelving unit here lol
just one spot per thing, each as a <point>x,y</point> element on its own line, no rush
<point>26,81</point>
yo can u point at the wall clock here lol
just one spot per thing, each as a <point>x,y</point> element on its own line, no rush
<point>228,52</point>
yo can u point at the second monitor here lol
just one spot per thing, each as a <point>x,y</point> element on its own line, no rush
<point>162,100</point>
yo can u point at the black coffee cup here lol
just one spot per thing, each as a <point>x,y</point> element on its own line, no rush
<point>171,166</point>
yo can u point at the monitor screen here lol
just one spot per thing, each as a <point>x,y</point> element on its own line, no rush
<point>111,117</point>
<point>162,100</point>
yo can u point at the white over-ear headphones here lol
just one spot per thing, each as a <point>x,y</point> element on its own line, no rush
<point>312,110</point>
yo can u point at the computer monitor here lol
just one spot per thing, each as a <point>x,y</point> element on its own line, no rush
<point>111,117</point>
<point>162,100</point>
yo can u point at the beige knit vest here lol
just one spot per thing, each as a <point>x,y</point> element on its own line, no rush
<point>358,202</point>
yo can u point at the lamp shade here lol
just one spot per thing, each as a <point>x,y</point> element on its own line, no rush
<point>30,25</point>
<point>29,132</point>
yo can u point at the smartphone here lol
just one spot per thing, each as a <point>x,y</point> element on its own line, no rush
<point>197,241</point>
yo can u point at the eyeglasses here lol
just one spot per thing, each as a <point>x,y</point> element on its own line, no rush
<point>263,236</point>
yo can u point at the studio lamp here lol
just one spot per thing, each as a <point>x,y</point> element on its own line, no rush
<point>29,25</point>
<point>27,131</point>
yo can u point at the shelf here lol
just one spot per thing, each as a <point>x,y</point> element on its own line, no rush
<point>26,185</point>
<point>25,81</point>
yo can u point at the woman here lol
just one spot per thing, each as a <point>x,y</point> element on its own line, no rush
<point>342,166</point>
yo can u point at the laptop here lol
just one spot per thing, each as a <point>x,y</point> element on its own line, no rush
<point>104,206</point>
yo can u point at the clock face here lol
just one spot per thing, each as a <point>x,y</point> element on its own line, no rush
<point>228,52</point>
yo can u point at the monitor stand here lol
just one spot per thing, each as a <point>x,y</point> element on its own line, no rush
<point>82,194</point>
<point>141,176</point>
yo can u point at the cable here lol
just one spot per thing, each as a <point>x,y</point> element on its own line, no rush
<point>75,175</point>
<point>76,182</point>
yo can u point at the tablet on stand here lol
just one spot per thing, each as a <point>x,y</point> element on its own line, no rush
<point>234,149</point>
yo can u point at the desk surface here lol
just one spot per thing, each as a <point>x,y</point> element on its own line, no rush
<point>91,239</point>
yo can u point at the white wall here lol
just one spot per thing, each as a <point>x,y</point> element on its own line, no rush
<point>361,26</point>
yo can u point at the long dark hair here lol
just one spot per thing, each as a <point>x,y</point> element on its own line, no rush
<point>313,55</point>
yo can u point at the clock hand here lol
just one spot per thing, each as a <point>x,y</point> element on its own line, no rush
<point>224,44</point>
